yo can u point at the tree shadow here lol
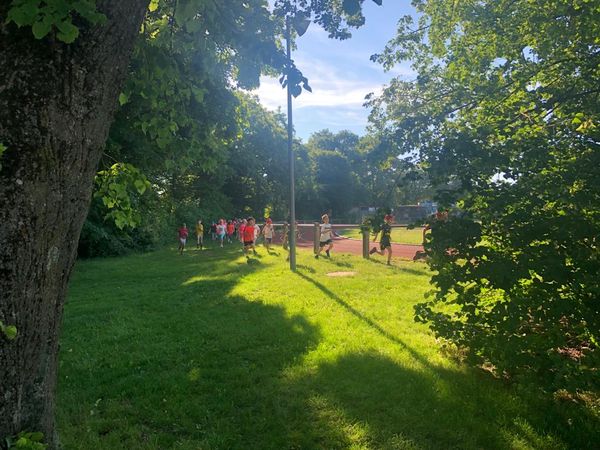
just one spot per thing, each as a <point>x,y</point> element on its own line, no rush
<point>207,371</point>
<point>194,365</point>
<point>405,408</point>
<point>370,322</point>
<point>306,268</point>
<point>341,263</point>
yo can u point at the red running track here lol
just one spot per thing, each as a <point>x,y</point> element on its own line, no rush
<point>354,246</point>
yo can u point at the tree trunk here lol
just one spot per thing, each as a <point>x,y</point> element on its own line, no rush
<point>56,106</point>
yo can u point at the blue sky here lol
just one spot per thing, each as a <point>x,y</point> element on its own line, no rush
<point>340,73</point>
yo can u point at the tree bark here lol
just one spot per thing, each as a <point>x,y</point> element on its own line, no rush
<point>56,105</point>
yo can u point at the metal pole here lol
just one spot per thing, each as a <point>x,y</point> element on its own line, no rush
<point>365,243</point>
<point>291,155</point>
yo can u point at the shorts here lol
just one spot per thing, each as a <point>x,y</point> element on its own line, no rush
<point>385,243</point>
<point>248,243</point>
<point>324,243</point>
<point>183,241</point>
<point>221,236</point>
<point>268,240</point>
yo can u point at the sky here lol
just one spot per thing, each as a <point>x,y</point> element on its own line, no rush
<point>340,73</point>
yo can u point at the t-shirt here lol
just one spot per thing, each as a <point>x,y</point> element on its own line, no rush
<point>325,232</point>
<point>183,233</point>
<point>386,232</point>
<point>199,229</point>
<point>248,233</point>
<point>269,231</point>
<point>220,229</point>
<point>230,228</point>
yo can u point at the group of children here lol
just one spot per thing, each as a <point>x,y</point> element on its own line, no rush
<point>247,231</point>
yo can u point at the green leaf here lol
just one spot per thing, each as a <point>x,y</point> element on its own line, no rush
<point>351,7</point>
<point>123,98</point>
<point>24,14</point>
<point>67,31</point>
<point>10,332</point>
<point>140,185</point>
<point>36,436</point>
<point>296,90</point>
<point>41,29</point>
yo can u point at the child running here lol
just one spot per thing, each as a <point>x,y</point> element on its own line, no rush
<point>325,239</point>
<point>248,237</point>
<point>199,235</point>
<point>221,231</point>
<point>386,239</point>
<point>241,229</point>
<point>268,234</point>
<point>183,234</point>
<point>230,230</point>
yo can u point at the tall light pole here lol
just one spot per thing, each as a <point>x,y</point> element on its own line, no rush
<point>291,150</point>
<point>301,23</point>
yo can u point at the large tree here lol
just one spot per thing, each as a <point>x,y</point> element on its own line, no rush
<point>56,105</point>
<point>505,111</point>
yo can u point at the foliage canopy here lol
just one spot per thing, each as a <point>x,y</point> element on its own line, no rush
<point>505,109</point>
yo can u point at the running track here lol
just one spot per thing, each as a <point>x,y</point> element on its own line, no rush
<point>354,246</point>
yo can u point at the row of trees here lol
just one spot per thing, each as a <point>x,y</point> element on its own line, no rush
<point>140,199</point>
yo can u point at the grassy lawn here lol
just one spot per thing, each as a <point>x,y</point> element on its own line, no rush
<point>399,235</point>
<point>206,351</point>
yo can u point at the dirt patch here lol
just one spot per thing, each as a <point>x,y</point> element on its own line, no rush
<point>341,274</point>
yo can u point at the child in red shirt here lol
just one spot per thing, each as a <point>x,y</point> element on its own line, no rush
<point>230,230</point>
<point>241,229</point>
<point>183,234</point>
<point>248,237</point>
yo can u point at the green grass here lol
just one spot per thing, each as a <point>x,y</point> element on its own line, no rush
<point>206,351</point>
<point>399,235</point>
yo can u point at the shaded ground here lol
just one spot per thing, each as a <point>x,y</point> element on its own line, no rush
<point>205,351</point>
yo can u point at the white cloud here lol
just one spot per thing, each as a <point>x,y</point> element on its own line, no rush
<point>325,94</point>
<point>330,88</point>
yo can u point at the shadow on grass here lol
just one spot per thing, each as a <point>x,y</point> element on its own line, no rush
<point>436,407</point>
<point>192,366</point>
<point>341,263</point>
<point>204,368</point>
<point>370,322</point>
<point>306,268</point>
<point>403,408</point>
<point>163,355</point>
<point>396,268</point>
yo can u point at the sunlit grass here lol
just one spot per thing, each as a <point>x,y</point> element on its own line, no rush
<point>399,235</point>
<point>206,351</point>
